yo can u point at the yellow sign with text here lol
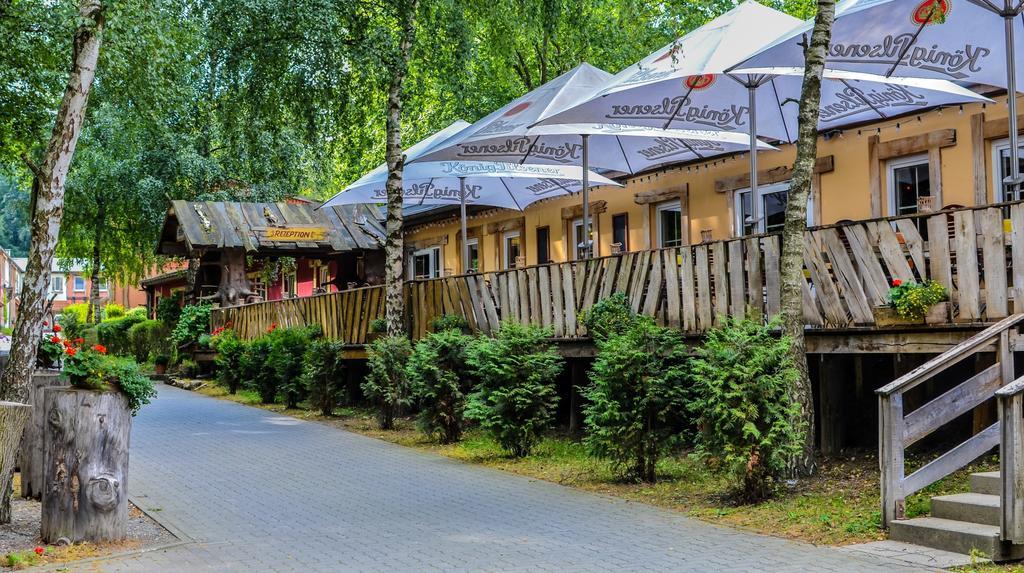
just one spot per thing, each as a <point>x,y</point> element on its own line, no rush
<point>299,234</point>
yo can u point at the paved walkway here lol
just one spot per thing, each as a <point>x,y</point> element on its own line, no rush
<point>259,492</point>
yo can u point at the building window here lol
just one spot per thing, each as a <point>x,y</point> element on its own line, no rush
<point>1001,167</point>
<point>57,284</point>
<point>579,250</point>
<point>908,183</point>
<point>426,263</point>
<point>289,282</point>
<point>104,286</point>
<point>321,278</point>
<point>670,224</point>
<point>473,248</point>
<point>257,286</point>
<point>773,209</point>
<point>510,242</point>
<point>79,283</point>
<point>543,245</point>
<point>620,231</point>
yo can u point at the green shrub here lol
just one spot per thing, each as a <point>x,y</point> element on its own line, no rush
<point>743,378</point>
<point>516,398</point>
<point>255,372</point>
<point>610,315</point>
<point>147,338</point>
<point>386,384</point>
<point>91,369</point>
<point>379,325</point>
<point>80,310</point>
<point>287,348</point>
<point>113,311</point>
<point>323,373</point>
<point>114,335</point>
<point>188,368</point>
<point>161,360</point>
<point>448,322</point>
<point>90,336</point>
<point>230,351</point>
<point>138,312</point>
<point>168,310</point>
<point>70,324</point>
<point>439,379</point>
<point>637,399</point>
<point>193,322</point>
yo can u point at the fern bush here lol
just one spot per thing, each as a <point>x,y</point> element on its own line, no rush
<point>386,384</point>
<point>638,396</point>
<point>255,371</point>
<point>323,374</point>
<point>287,349</point>
<point>439,378</point>
<point>610,315</point>
<point>515,400</point>
<point>230,360</point>
<point>743,377</point>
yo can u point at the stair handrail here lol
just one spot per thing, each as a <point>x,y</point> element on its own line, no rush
<point>898,431</point>
<point>1011,461</point>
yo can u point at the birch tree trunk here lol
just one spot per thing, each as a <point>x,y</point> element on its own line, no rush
<point>47,210</point>
<point>95,311</point>
<point>13,417</point>
<point>394,301</point>
<point>792,263</point>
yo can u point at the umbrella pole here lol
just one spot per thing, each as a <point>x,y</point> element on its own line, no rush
<point>462,213</point>
<point>1012,181</point>
<point>586,199</point>
<point>754,203</point>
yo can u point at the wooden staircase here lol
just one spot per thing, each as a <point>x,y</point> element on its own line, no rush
<point>990,517</point>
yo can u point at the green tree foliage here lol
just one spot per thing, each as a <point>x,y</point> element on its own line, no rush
<point>609,316</point>
<point>168,310</point>
<point>386,385</point>
<point>439,373</point>
<point>637,400</point>
<point>193,322</point>
<point>148,339</point>
<point>743,377</point>
<point>255,371</point>
<point>287,348</point>
<point>230,360</point>
<point>515,399</point>
<point>323,373</point>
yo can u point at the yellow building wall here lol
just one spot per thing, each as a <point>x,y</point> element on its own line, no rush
<point>844,192</point>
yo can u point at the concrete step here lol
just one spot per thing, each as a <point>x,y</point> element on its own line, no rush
<point>972,507</point>
<point>986,482</point>
<point>949,535</point>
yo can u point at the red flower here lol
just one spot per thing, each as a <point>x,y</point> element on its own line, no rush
<point>45,323</point>
<point>100,348</point>
<point>56,328</point>
<point>896,282</point>
<point>55,339</point>
<point>79,340</point>
<point>71,351</point>
<point>39,550</point>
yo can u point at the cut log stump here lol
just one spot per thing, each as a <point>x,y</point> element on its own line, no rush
<point>13,417</point>
<point>85,472</point>
<point>30,456</point>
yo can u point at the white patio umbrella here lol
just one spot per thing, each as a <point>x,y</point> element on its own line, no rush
<point>962,40</point>
<point>684,86</point>
<point>506,135</point>
<point>494,184</point>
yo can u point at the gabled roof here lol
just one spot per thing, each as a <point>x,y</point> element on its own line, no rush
<point>209,225</point>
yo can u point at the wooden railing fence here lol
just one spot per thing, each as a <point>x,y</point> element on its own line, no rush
<point>977,253</point>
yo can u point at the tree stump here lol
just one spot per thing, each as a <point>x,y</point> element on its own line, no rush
<point>13,417</point>
<point>30,456</point>
<point>85,471</point>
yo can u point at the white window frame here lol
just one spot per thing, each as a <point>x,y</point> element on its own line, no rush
<point>475,242</point>
<point>294,278</point>
<point>763,190</point>
<point>674,205</point>
<point>510,262</point>
<point>434,256</point>
<point>74,283</point>
<point>890,175</point>
<point>999,146</point>
<point>54,280</point>
<point>574,243</point>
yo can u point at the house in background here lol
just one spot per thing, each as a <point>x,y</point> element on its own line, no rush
<point>70,284</point>
<point>10,286</point>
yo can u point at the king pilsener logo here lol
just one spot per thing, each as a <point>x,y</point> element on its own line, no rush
<point>699,82</point>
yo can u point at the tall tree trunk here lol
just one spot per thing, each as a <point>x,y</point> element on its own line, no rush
<point>191,276</point>
<point>47,210</point>
<point>394,302</point>
<point>792,263</point>
<point>95,310</point>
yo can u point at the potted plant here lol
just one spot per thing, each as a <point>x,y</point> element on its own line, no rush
<point>378,327</point>
<point>88,429</point>
<point>160,363</point>
<point>914,303</point>
<point>51,349</point>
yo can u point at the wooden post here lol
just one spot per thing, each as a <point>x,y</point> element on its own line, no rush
<point>830,397</point>
<point>1011,467</point>
<point>30,456</point>
<point>890,456</point>
<point>86,465</point>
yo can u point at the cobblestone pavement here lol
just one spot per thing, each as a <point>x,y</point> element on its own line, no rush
<point>254,491</point>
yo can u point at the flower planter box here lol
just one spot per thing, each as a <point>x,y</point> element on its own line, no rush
<point>887,316</point>
<point>939,314</point>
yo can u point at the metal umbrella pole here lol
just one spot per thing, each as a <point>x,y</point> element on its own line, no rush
<point>462,213</point>
<point>1012,181</point>
<point>754,203</point>
<point>586,199</point>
